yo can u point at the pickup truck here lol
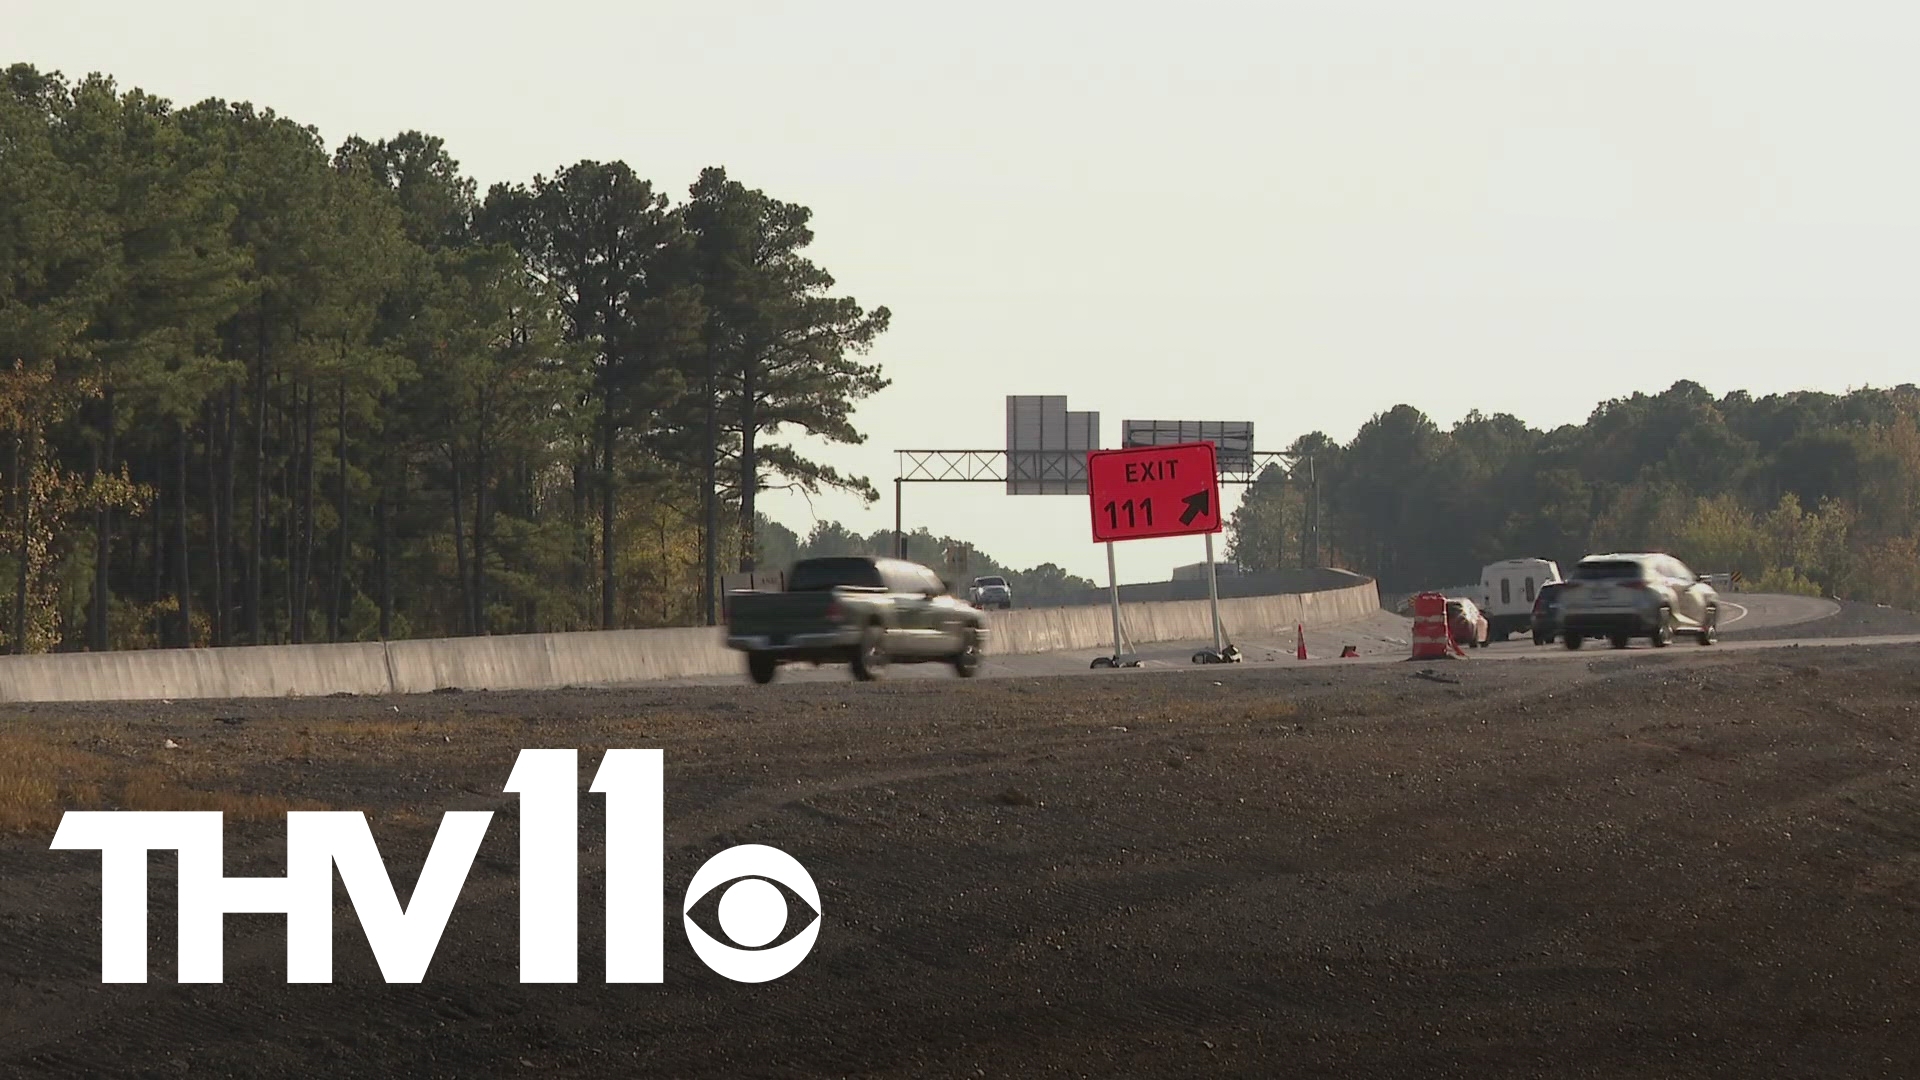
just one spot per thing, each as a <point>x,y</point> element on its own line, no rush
<point>991,591</point>
<point>866,612</point>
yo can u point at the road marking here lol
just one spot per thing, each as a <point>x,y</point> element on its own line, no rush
<point>1736,618</point>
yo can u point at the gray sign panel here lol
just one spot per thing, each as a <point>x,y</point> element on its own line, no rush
<point>1232,439</point>
<point>1047,445</point>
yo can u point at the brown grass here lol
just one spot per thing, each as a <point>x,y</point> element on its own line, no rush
<point>43,774</point>
<point>48,767</point>
<point>369,739</point>
<point>467,736</point>
<point>153,789</point>
<point>40,778</point>
<point>1205,709</point>
<point>1272,712</point>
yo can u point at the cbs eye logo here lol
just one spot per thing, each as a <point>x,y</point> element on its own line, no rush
<point>749,893</point>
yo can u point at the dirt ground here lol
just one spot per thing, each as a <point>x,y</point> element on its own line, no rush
<point>1685,863</point>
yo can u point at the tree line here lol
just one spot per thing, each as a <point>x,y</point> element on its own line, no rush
<point>1802,492</point>
<point>957,561</point>
<point>255,390</point>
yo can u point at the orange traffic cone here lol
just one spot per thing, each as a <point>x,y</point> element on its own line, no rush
<point>1300,639</point>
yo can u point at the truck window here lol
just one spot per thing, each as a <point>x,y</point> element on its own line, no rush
<point>1530,590</point>
<point>1607,570</point>
<point>908,578</point>
<point>820,575</point>
<point>1506,591</point>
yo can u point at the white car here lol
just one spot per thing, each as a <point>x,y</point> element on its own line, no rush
<point>990,592</point>
<point>1641,594</point>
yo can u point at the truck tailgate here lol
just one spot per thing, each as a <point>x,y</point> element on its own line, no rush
<point>779,616</point>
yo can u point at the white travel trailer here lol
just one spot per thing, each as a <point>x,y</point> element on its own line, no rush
<point>1507,592</point>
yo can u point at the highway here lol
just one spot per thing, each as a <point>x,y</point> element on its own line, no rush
<point>1381,638</point>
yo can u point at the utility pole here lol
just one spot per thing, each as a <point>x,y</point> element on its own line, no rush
<point>1313,488</point>
<point>711,540</point>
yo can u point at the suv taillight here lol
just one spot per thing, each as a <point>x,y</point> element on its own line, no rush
<point>833,611</point>
<point>1633,584</point>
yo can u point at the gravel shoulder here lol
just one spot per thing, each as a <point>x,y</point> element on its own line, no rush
<point>1682,863</point>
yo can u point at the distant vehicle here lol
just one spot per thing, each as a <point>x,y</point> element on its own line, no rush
<point>1546,612</point>
<point>1640,594</point>
<point>1507,591</point>
<point>1465,623</point>
<point>990,592</point>
<point>857,610</point>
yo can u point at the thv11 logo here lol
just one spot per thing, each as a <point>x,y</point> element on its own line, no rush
<point>752,911</point>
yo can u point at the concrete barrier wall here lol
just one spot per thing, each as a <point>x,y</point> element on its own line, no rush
<point>158,674</point>
<point>1263,583</point>
<point>594,658</point>
<point>1051,629</point>
<point>543,661</point>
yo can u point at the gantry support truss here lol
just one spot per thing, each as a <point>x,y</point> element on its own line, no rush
<point>1043,466</point>
<point>1049,467</point>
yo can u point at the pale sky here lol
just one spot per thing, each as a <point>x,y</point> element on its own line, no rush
<point>1298,214</point>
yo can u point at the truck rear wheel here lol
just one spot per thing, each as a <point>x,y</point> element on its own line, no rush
<point>761,667</point>
<point>966,662</point>
<point>870,656</point>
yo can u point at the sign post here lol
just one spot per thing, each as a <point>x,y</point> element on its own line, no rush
<point>1213,595</point>
<point>1122,653</point>
<point>1149,492</point>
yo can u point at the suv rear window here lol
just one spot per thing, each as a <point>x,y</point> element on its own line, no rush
<point>1608,570</point>
<point>818,575</point>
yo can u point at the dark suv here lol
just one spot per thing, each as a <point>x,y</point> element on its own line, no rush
<point>1546,612</point>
